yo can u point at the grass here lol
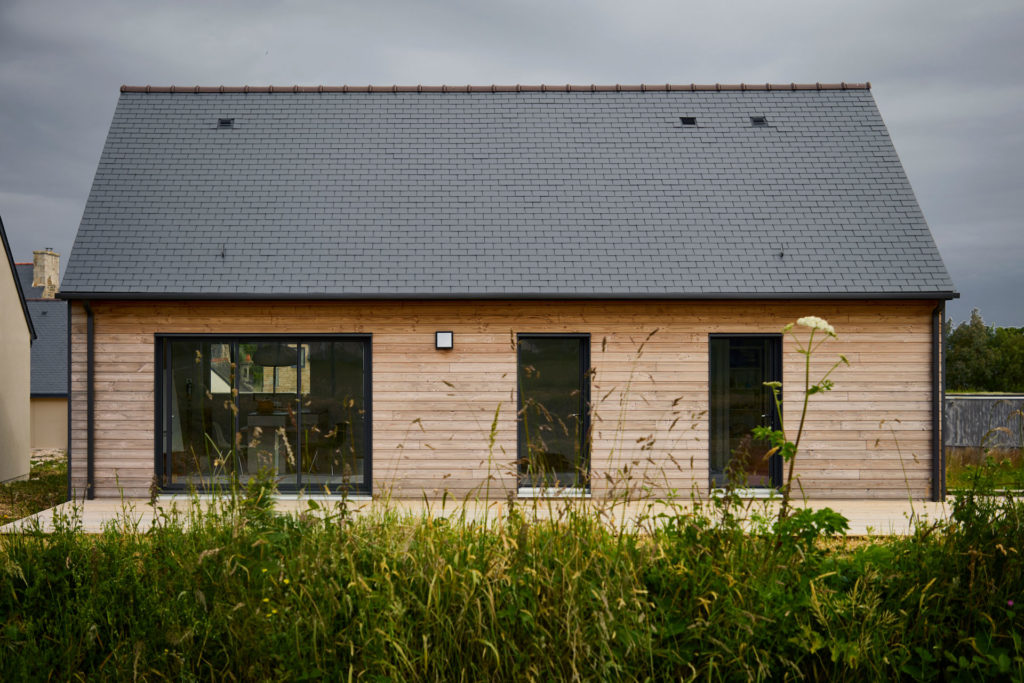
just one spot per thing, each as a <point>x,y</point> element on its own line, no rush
<point>723,591</point>
<point>46,486</point>
<point>996,467</point>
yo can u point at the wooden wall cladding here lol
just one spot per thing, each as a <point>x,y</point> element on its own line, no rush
<point>433,410</point>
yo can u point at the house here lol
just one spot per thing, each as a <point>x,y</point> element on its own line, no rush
<point>40,281</point>
<point>500,291</point>
<point>16,336</point>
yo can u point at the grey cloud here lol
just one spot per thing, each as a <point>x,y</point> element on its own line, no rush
<point>948,77</point>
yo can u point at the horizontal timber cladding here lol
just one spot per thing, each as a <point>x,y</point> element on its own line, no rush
<point>433,410</point>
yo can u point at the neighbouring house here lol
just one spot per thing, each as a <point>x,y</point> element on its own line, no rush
<point>16,336</point>
<point>500,291</point>
<point>40,282</point>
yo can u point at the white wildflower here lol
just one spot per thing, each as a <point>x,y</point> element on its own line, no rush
<point>816,323</point>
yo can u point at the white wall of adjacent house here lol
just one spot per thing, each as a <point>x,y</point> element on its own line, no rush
<point>15,380</point>
<point>49,422</point>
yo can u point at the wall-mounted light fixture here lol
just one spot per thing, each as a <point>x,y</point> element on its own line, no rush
<point>443,340</point>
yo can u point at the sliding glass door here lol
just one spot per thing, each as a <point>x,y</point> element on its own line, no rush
<point>740,365</point>
<point>296,409</point>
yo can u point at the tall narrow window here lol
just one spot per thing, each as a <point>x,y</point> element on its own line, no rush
<point>296,409</point>
<point>740,365</point>
<point>554,399</point>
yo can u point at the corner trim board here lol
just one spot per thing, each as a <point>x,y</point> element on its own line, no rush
<point>67,496</point>
<point>938,402</point>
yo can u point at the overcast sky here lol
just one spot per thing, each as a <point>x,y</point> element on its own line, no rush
<point>948,77</point>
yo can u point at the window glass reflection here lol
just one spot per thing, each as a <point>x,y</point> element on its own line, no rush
<point>552,441</point>
<point>293,409</point>
<point>201,411</point>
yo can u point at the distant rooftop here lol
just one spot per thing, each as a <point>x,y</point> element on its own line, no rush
<point>25,276</point>
<point>50,348</point>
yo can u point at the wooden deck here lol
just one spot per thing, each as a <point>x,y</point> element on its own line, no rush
<point>866,517</point>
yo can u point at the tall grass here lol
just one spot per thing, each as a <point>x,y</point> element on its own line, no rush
<point>995,462</point>
<point>236,591</point>
<point>998,467</point>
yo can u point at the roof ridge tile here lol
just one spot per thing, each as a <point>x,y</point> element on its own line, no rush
<point>642,87</point>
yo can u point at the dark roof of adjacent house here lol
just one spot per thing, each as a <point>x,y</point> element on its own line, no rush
<point>502,192</point>
<point>25,274</point>
<point>50,349</point>
<point>17,279</point>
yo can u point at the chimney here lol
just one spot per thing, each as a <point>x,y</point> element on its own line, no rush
<point>46,271</point>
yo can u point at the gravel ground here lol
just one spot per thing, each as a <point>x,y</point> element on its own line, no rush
<point>48,454</point>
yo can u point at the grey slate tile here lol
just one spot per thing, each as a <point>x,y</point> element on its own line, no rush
<point>501,194</point>
<point>50,348</point>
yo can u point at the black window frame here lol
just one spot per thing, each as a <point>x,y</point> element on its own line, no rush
<point>586,375</point>
<point>774,371</point>
<point>161,438</point>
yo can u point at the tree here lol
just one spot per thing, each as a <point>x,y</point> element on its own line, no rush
<point>983,358</point>
<point>1008,345</point>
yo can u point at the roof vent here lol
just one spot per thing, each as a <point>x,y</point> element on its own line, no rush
<point>225,123</point>
<point>758,120</point>
<point>688,120</point>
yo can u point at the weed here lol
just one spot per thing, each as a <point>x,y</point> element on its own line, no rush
<point>780,443</point>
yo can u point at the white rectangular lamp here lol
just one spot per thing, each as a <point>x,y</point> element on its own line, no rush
<point>443,340</point>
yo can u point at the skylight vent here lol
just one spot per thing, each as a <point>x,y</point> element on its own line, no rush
<point>688,120</point>
<point>225,123</point>
<point>759,120</point>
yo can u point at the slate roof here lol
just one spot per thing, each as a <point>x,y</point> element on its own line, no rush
<point>574,192</point>
<point>25,271</point>
<point>50,349</point>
